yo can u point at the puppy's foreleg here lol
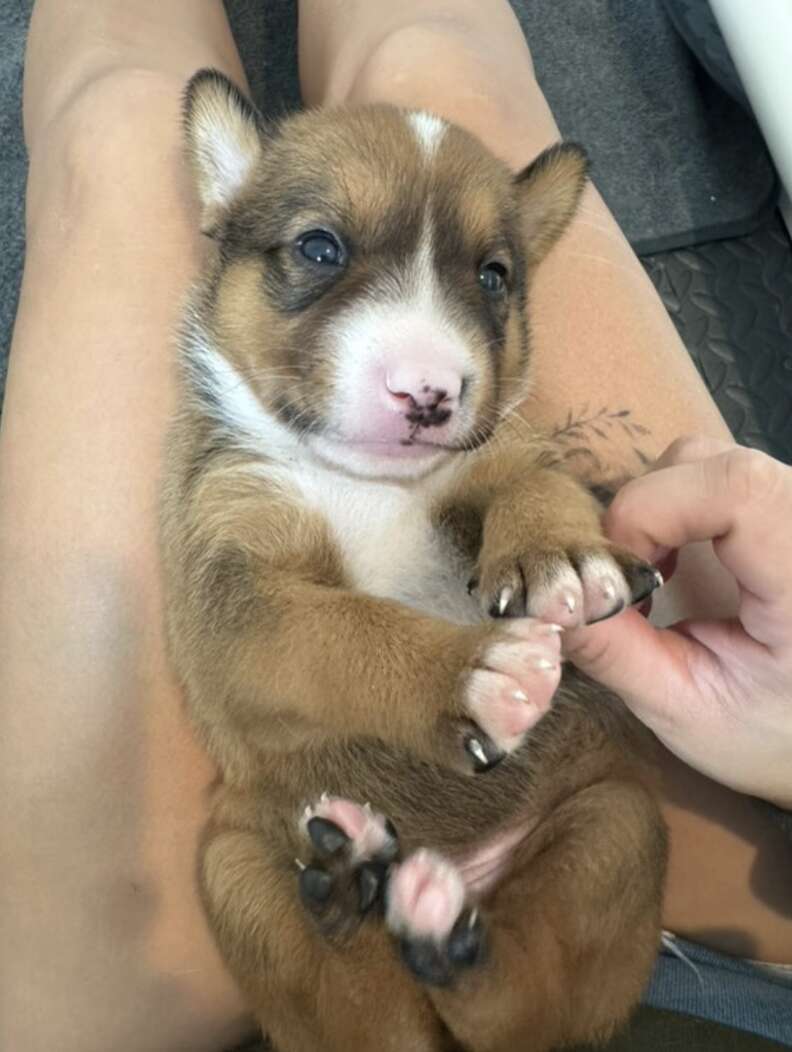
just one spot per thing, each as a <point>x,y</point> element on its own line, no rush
<point>542,550</point>
<point>275,649</point>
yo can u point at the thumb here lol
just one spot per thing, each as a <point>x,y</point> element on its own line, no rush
<point>649,668</point>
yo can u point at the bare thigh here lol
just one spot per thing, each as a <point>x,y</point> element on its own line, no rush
<point>104,944</point>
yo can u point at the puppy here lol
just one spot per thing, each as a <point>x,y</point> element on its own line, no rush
<point>423,836</point>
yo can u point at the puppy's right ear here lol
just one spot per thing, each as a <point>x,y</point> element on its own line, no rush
<point>224,141</point>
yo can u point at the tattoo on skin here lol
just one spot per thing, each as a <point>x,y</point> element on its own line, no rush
<point>578,432</point>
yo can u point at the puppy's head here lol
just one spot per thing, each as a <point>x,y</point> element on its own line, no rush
<point>370,285</point>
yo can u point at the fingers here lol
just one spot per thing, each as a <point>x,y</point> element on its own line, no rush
<point>690,448</point>
<point>618,653</point>
<point>740,499</point>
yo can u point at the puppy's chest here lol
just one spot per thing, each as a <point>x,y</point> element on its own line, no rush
<point>390,545</point>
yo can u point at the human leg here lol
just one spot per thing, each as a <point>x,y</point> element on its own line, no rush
<point>104,943</point>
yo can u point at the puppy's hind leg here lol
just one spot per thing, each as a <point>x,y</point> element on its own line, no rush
<point>559,952</point>
<point>319,968</point>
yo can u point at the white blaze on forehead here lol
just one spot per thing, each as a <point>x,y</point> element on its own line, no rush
<point>406,314</point>
<point>406,320</point>
<point>428,129</point>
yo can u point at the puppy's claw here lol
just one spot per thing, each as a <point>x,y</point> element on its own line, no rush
<point>466,943</point>
<point>643,581</point>
<point>504,600</point>
<point>484,753</point>
<point>326,837</point>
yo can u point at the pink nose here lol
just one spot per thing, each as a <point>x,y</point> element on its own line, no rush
<point>423,388</point>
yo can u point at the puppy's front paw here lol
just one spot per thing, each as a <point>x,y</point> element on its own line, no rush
<point>426,911</point>
<point>509,689</point>
<point>570,585</point>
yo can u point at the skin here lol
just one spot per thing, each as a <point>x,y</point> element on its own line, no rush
<point>721,696</point>
<point>103,786</point>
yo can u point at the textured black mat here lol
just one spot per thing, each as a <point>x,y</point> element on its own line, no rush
<point>732,304</point>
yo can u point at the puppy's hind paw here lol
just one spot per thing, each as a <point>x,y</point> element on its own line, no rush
<point>426,911</point>
<point>349,848</point>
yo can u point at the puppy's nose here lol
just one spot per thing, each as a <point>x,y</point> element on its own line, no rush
<point>414,388</point>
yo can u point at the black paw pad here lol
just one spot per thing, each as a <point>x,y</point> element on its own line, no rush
<point>436,963</point>
<point>316,886</point>
<point>465,945</point>
<point>427,961</point>
<point>326,837</point>
<point>371,880</point>
<point>642,580</point>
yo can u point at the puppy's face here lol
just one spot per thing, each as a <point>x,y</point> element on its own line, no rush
<point>372,273</point>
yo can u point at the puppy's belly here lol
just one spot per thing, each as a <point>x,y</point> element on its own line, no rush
<point>482,867</point>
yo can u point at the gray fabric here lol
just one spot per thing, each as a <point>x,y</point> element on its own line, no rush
<point>14,15</point>
<point>693,979</point>
<point>675,157</point>
<point>266,36</point>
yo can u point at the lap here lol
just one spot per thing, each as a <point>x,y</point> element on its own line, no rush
<point>107,788</point>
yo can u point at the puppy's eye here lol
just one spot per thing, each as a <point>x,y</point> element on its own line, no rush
<point>321,247</point>
<point>492,277</point>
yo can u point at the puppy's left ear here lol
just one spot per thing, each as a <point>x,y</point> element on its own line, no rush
<point>225,141</point>
<point>549,190</point>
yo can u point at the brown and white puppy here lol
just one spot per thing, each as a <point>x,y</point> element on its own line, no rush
<point>368,557</point>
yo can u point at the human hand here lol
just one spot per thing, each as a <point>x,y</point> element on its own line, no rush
<point>717,693</point>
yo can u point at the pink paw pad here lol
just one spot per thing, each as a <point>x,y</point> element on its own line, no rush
<point>369,833</point>
<point>515,683</point>
<point>597,590</point>
<point>425,897</point>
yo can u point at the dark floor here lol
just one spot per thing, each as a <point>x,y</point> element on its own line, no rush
<point>732,304</point>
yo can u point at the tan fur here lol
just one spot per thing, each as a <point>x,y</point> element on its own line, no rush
<point>299,683</point>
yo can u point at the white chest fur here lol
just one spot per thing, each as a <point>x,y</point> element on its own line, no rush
<point>390,545</point>
<point>384,530</point>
